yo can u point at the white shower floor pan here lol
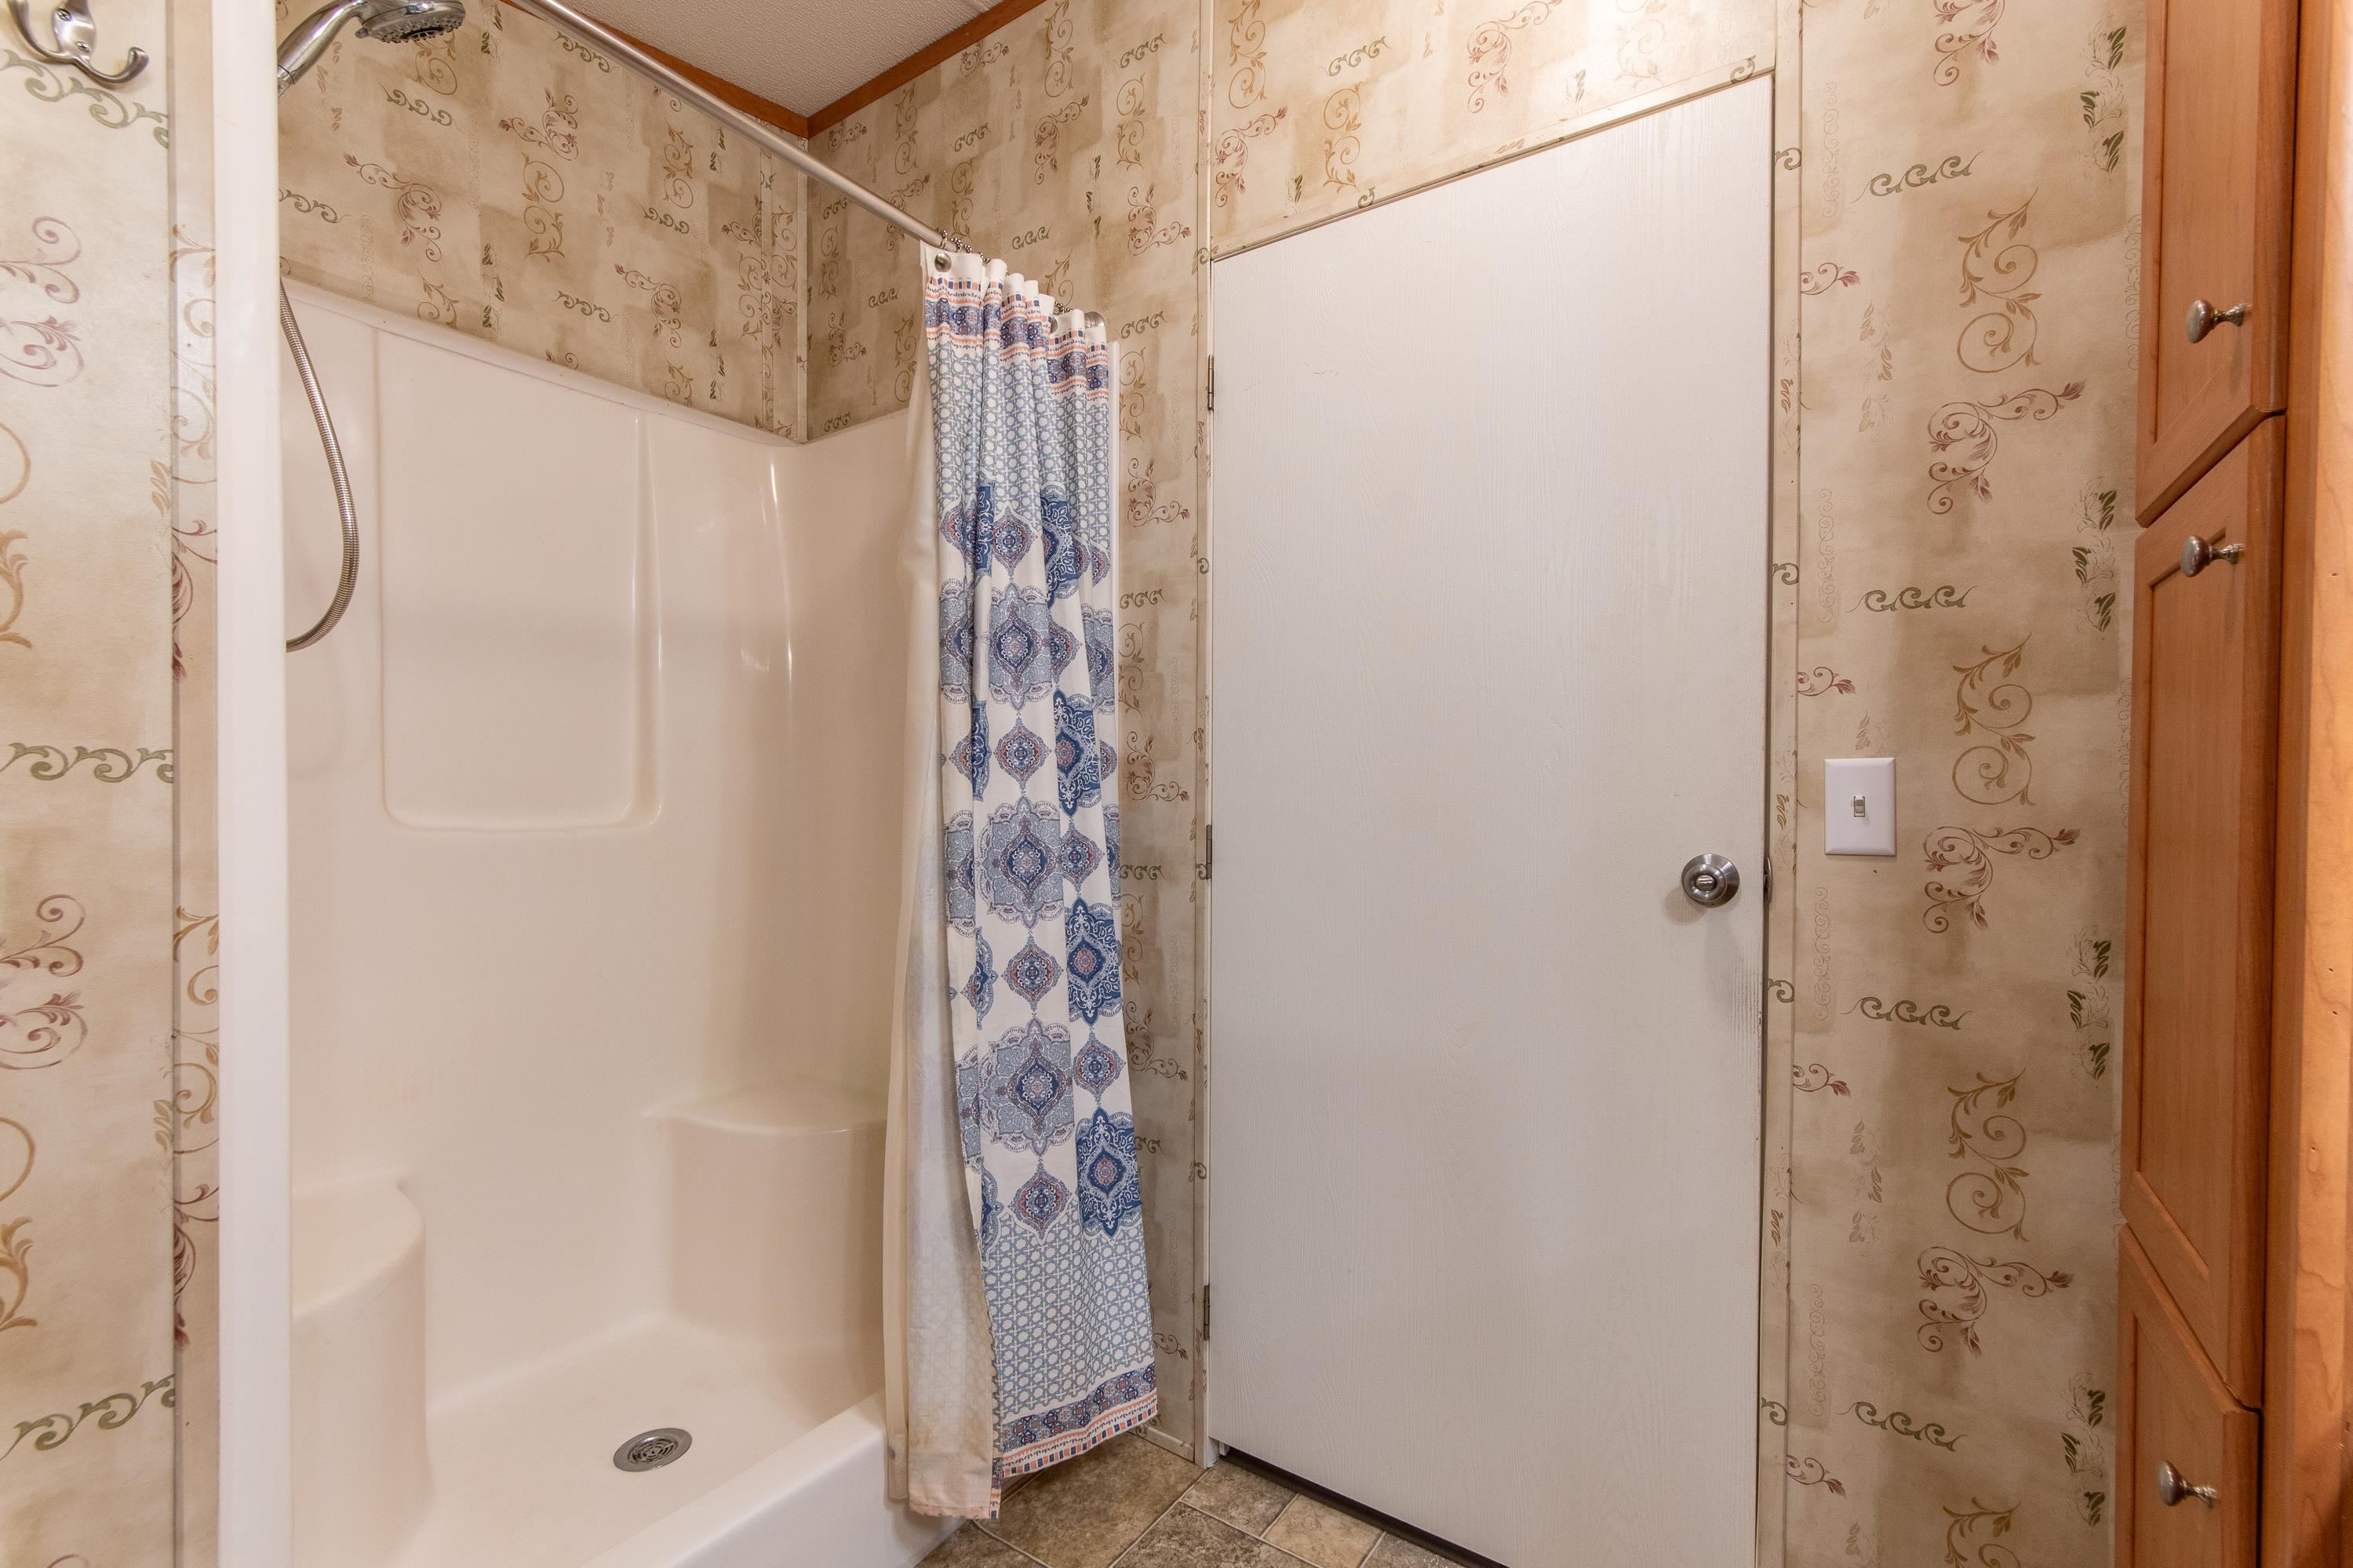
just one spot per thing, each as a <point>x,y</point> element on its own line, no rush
<point>767,1353</point>
<point>786,1468</point>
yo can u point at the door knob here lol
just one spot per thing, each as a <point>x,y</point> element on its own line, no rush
<point>2197,555</point>
<point>1710,879</point>
<point>2171,1489</point>
<point>2204,317</point>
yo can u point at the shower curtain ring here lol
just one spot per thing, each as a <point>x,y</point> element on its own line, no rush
<point>74,33</point>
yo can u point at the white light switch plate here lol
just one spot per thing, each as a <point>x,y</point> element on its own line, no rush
<point>1859,805</point>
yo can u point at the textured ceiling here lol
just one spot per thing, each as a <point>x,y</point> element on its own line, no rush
<point>803,54</point>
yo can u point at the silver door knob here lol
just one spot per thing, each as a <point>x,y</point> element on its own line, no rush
<point>2197,555</point>
<point>1710,879</point>
<point>2204,317</point>
<point>2171,1489</point>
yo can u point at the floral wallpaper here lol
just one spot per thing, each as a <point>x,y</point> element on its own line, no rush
<point>1319,108</point>
<point>514,184</point>
<point>1968,273</point>
<point>89,767</point>
<point>1078,120</point>
<point>186,1110</point>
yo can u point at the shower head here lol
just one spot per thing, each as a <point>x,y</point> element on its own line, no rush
<point>386,21</point>
<point>411,20</point>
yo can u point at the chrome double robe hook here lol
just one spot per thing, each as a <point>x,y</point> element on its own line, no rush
<point>73,34</point>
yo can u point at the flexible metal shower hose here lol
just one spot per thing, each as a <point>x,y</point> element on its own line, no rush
<point>326,423</point>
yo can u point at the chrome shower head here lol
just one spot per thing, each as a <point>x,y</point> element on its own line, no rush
<point>386,21</point>
<point>409,21</point>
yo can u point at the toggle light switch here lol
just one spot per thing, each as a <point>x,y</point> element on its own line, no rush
<point>1861,792</point>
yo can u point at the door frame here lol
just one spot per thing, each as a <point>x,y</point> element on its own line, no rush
<point>1779,1025</point>
<point>256,1247</point>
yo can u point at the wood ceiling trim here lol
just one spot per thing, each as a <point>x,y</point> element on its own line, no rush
<point>916,64</point>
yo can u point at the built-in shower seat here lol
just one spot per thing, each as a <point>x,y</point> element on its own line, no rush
<point>360,1465</point>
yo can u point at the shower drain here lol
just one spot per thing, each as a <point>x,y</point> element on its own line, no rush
<point>652,1450</point>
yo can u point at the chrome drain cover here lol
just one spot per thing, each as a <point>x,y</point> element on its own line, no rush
<point>652,1450</point>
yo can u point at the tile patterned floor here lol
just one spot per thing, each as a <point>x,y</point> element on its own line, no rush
<point>1129,1504</point>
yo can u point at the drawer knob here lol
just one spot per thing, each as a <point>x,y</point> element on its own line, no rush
<point>2197,555</point>
<point>2171,1489</point>
<point>2204,317</point>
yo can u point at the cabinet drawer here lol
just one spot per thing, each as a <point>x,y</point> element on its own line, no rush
<point>2198,901</point>
<point>2214,196</point>
<point>2173,1410</point>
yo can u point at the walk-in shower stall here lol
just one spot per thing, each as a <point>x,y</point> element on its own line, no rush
<point>595,781</point>
<point>593,820</point>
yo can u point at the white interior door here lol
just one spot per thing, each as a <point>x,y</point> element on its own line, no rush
<point>1490,599</point>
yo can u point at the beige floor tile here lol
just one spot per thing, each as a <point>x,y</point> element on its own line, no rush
<point>973,1547</point>
<point>1188,1538</point>
<point>1322,1534</point>
<point>1393,1553</point>
<point>1085,1513</point>
<point>1243,1497</point>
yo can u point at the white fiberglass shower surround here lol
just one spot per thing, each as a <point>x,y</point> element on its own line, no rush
<point>593,820</point>
<point>565,873</point>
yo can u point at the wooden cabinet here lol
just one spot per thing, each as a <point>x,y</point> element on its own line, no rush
<point>2235,1303</point>
<point>2198,899</point>
<point>2214,194</point>
<point>2173,1410</point>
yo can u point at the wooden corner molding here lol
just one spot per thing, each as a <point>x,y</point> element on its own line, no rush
<point>727,91</point>
<point>916,64</point>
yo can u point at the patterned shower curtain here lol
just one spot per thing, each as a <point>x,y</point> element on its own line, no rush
<point>1025,1007</point>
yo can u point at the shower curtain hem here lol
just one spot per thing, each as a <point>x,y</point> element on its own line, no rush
<point>1052,1451</point>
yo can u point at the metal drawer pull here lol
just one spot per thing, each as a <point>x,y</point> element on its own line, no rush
<point>2203,319</point>
<point>2197,555</point>
<point>2171,1489</point>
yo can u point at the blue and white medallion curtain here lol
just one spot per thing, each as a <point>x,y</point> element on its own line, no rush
<point>1022,426</point>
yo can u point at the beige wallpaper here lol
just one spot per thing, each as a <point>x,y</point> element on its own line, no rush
<point>187,1109</point>
<point>1067,142</point>
<point>1971,188</point>
<point>1318,109</point>
<point>87,772</point>
<point>516,184</point>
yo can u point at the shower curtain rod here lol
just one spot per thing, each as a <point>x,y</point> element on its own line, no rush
<point>677,86</point>
<point>559,15</point>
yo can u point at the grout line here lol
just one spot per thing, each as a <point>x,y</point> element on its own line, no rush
<point>1238,1530</point>
<point>1452,1555</point>
<point>982,1526</point>
<point>1295,1557</point>
<point>1164,1513</point>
